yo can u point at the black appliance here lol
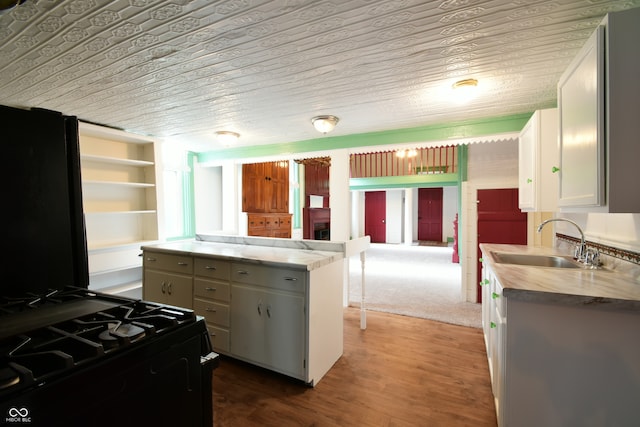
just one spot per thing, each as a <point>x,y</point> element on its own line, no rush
<point>70,356</point>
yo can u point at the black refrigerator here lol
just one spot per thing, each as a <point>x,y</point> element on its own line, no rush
<point>45,239</point>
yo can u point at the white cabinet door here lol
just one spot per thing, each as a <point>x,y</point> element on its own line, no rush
<point>526,164</point>
<point>581,101</point>
<point>166,288</point>
<point>538,162</point>
<point>247,322</point>
<point>268,328</point>
<point>285,338</point>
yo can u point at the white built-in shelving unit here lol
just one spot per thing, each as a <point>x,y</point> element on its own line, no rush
<point>119,190</point>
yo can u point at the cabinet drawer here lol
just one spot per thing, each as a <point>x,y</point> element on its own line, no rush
<point>168,262</point>
<point>271,277</point>
<point>213,312</point>
<point>219,338</point>
<point>256,221</point>
<point>211,267</point>
<point>211,289</point>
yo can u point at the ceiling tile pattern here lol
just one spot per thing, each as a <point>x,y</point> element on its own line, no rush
<point>184,69</point>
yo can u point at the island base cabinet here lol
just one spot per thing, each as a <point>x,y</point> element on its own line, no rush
<point>570,366</point>
<point>269,329</point>
<point>165,288</point>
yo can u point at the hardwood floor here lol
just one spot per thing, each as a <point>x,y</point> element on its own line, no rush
<point>400,371</point>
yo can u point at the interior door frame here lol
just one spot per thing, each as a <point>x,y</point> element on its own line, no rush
<point>468,231</point>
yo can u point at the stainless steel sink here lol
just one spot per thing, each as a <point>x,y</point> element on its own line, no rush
<point>535,260</point>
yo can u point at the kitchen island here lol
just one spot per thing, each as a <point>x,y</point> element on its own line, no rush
<point>275,303</point>
<point>562,343</point>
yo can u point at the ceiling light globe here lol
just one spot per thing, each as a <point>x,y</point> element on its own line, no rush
<point>324,124</point>
<point>227,137</point>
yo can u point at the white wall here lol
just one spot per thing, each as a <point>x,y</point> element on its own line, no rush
<point>208,187</point>
<point>620,231</point>
<point>394,215</point>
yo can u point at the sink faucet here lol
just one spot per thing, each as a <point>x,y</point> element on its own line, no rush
<point>581,249</point>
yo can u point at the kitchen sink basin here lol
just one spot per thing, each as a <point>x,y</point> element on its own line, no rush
<point>535,260</point>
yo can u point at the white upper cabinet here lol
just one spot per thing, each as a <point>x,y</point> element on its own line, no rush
<point>538,162</point>
<point>599,101</point>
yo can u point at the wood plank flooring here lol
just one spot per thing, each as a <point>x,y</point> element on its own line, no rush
<point>400,371</point>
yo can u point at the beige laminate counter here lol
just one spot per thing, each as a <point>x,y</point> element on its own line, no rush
<point>573,286</point>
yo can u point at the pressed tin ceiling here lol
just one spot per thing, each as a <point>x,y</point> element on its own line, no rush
<point>184,69</point>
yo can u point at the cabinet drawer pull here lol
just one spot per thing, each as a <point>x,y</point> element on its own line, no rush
<point>210,289</point>
<point>244,272</point>
<point>210,267</point>
<point>210,310</point>
<point>164,288</point>
<point>213,334</point>
<point>291,279</point>
<point>182,263</point>
<point>492,325</point>
<point>555,169</point>
<point>151,259</point>
<point>269,311</point>
<point>170,288</point>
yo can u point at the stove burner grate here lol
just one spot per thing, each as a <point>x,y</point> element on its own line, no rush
<point>121,334</point>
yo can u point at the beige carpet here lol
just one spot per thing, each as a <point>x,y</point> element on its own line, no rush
<point>417,281</point>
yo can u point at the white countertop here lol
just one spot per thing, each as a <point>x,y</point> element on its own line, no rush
<point>290,257</point>
<point>577,286</point>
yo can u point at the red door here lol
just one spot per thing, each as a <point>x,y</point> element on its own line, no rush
<point>430,214</point>
<point>375,206</point>
<point>499,221</point>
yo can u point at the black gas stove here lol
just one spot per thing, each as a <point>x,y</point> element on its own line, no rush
<point>66,355</point>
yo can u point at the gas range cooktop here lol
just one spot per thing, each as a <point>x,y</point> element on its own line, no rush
<point>45,335</point>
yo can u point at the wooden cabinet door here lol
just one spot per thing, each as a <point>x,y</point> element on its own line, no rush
<point>254,187</point>
<point>265,187</point>
<point>316,180</point>
<point>278,194</point>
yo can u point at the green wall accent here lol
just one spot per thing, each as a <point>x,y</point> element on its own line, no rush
<point>441,132</point>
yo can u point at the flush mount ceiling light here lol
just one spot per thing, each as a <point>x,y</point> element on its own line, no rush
<point>465,89</point>
<point>324,124</point>
<point>406,153</point>
<point>226,137</point>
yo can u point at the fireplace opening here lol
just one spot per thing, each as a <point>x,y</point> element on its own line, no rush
<point>321,231</point>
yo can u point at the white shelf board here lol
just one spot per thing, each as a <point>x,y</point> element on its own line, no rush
<point>115,160</point>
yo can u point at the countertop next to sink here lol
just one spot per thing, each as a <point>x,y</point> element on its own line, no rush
<point>571,286</point>
<point>300,258</point>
